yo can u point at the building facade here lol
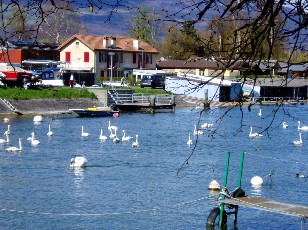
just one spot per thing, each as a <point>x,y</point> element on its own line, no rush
<point>107,56</point>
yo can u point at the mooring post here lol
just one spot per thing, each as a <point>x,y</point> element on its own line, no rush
<point>239,183</point>
<point>152,103</point>
<point>206,104</point>
<point>221,206</point>
<point>173,102</point>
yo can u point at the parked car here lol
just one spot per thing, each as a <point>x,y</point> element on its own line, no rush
<point>153,81</point>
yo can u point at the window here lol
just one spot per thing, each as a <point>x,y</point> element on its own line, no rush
<point>134,58</point>
<point>68,56</point>
<point>86,57</point>
<point>77,43</point>
<point>102,57</point>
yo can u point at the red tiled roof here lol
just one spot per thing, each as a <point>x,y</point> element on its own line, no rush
<point>96,43</point>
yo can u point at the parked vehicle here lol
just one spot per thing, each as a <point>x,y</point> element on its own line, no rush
<point>16,76</point>
<point>153,81</point>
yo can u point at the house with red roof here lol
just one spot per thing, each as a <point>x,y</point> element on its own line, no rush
<point>107,56</point>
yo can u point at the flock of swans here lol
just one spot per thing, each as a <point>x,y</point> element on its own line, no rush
<point>78,161</point>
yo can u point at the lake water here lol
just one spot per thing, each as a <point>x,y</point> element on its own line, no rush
<point>138,188</point>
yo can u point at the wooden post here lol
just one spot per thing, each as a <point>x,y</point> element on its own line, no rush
<point>173,102</point>
<point>152,103</point>
<point>206,104</point>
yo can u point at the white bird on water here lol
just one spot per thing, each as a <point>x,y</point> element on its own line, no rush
<point>34,142</point>
<point>251,134</point>
<point>260,112</point>
<point>189,142</point>
<point>300,140</point>
<point>50,133</point>
<point>78,162</point>
<point>83,134</point>
<point>135,143</point>
<point>285,125</point>
<point>15,149</point>
<point>102,137</point>
<point>115,139</point>
<point>197,132</point>
<point>7,140</point>
<point>301,128</point>
<point>110,127</point>
<point>126,138</point>
<point>8,131</point>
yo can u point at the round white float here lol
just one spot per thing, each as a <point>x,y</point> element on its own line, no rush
<point>214,185</point>
<point>256,180</point>
<point>6,119</point>
<point>38,118</point>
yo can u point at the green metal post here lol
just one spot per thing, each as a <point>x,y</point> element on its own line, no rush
<point>241,170</point>
<point>221,206</point>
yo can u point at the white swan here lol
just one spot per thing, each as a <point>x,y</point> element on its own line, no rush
<point>285,125</point>
<point>135,143</point>
<point>50,133</point>
<point>301,128</point>
<point>7,140</point>
<point>34,142</point>
<point>78,162</point>
<point>83,134</point>
<point>206,125</point>
<point>251,134</point>
<point>8,131</point>
<point>102,137</point>
<point>115,139</point>
<point>189,142</point>
<point>197,132</point>
<point>38,118</point>
<point>112,127</point>
<point>126,138</point>
<point>300,140</point>
<point>15,149</point>
<point>112,135</point>
<point>260,112</point>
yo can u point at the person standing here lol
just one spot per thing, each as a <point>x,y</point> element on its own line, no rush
<point>71,81</point>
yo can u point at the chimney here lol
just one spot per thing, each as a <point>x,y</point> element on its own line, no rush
<point>136,44</point>
<point>113,42</point>
<point>105,42</point>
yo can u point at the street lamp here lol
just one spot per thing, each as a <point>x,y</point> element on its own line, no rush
<point>111,64</point>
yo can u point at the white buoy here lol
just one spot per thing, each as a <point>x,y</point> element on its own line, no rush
<point>6,119</point>
<point>38,118</point>
<point>256,181</point>
<point>214,185</point>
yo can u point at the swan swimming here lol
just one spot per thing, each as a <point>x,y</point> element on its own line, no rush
<point>115,139</point>
<point>251,134</point>
<point>7,140</point>
<point>83,134</point>
<point>300,140</point>
<point>285,125</point>
<point>8,131</point>
<point>301,128</point>
<point>34,142</point>
<point>135,143</point>
<point>102,137</point>
<point>197,132</point>
<point>78,162</point>
<point>112,127</point>
<point>189,142</point>
<point>112,135</point>
<point>15,149</point>
<point>260,112</point>
<point>50,133</point>
<point>206,125</point>
<point>124,137</point>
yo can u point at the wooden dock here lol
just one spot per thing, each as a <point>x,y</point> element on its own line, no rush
<point>148,103</point>
<point>269,205</point>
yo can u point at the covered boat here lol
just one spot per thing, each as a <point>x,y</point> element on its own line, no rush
<point>96,112</point>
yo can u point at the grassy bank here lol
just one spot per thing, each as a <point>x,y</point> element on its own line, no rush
<point>68,93</point>
<point>27,94</point>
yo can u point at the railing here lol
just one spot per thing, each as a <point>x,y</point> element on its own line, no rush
<point>8,104</point>
<point>276,99</point>
<point>142,98</point>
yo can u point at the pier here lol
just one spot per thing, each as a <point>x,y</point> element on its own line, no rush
<point>232,200</point>
<point>148,103</point>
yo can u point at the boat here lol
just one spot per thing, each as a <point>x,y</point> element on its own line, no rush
<point>96,112</point>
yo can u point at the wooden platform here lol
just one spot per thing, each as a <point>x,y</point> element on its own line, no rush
<point>269,205</point>
<point>139,106</point>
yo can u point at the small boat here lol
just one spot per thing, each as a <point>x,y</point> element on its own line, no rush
<point>96,112</point>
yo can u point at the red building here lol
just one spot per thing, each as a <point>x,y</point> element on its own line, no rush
<point>17,51</point>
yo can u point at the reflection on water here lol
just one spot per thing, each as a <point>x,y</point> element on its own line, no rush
<point>79,175</point>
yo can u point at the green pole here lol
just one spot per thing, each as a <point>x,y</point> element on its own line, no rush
<point>221,206</point>
<point>241,170</point>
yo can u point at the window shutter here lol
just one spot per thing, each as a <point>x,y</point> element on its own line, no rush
<point>68,56</point>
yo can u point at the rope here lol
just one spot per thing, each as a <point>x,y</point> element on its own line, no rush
<point>274,158</point>
<point>154,210</point>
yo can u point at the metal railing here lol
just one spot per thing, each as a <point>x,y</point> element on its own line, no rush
<point>143,98</point>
